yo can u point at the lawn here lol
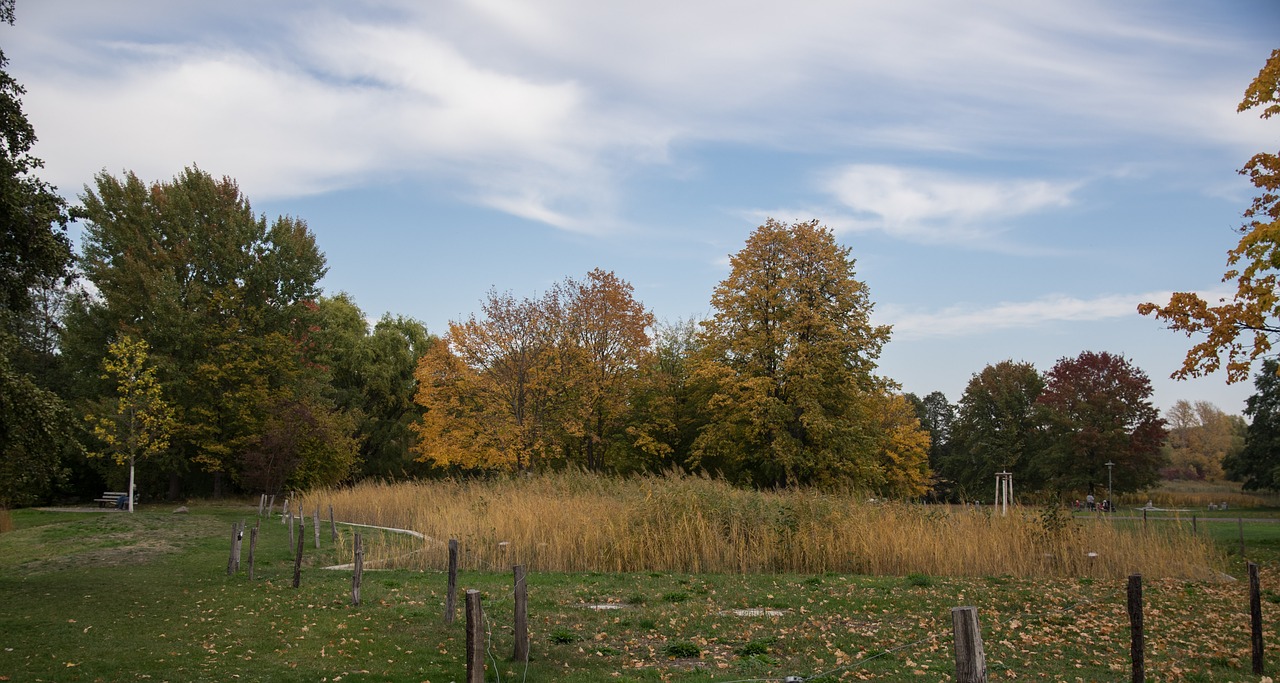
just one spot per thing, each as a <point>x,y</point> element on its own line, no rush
<point>117,597</point>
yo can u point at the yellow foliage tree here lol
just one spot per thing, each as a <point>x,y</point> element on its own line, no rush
<point>139,421</point>
<point>1242,327</point>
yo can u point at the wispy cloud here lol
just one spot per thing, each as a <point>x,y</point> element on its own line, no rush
<point>546,111</point>
<point>927,205</point>
<point>962,320</point>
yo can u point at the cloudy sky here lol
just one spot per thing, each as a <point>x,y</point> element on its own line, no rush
<point>1012,176</point>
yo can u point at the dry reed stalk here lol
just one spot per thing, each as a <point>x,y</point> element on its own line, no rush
<point>580,522</point>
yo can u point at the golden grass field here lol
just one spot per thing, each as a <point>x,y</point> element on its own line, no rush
<point>576,522</point>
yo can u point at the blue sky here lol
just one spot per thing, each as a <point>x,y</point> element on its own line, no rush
<point>1012,177</point>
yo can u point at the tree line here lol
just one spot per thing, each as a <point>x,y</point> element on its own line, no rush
<point>189,337</point>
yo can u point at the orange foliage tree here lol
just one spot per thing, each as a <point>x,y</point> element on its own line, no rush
<point>1242,327</point>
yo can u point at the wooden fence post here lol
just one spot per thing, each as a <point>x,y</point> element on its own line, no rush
<point>333,526</point>
<point>231,558</point>
<point>239,543</point>
<point>971,660</point>
<point>316,520</point>
<point>1136,643</point>
<point>1255,617</point>
<point>357,572</point>
<point>253,545</point>
<point>262,504</point>
<point>285,511</point>
<point>475,638</point>
<point>1194,528</point>
<point>271,504</point>
<point>292,539</point>
<point>297,562</point>
<point>451,597</point>
<point>520,652</point>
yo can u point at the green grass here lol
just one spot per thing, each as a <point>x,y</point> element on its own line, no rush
<point>117,597</point>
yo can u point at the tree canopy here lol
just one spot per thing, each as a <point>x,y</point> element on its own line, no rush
<point>1098,410</point>
<point>791,353</point>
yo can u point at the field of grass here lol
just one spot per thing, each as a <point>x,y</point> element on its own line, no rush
<point>577,522</point>
<point>116,597</point>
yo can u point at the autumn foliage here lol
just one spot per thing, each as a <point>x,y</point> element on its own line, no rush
<point>1239,330</point>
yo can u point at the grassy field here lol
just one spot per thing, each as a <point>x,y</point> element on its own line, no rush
<point>117,597</point>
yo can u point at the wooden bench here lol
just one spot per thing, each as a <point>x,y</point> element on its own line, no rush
<point>112,498</point>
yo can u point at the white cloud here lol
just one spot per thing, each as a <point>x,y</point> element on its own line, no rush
<point>545,110</point>
<point>963,321</point>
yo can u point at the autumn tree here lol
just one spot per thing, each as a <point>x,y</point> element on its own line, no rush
<point>1200,438</point>
<point>535,380</point>
<point>216,291</point>
<point>1240,329</point>
<point>1097,409</point>
<point>1258,463</point>
<point>791,353</point>
<point>603,344</point>
<point>137,423</point>
<point>996,429</point>
<point>483,389</point>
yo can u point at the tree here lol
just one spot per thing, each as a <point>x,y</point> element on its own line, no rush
<point>791,354</point>
<point>604,343</point>
<point>484,388</point>
<point>1258,463</point>
<point>667,408</point>
<point>997,429</point>
<point>137,423</point>
<point>1201,437</point>
<point>220,296</point>
<point>35,431</point>
<point>1097,409</point>
<point>1240,328</point>
<point>535,381</point>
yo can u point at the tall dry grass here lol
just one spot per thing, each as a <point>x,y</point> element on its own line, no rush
<point>581,522</point>
<point>1199,494</point>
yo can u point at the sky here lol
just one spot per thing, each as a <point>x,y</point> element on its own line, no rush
<point>1013,177</point>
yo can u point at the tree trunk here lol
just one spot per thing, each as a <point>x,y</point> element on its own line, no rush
<point>175,486</point>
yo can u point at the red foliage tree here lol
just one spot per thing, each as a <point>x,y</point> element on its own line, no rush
<point>1097,409</point>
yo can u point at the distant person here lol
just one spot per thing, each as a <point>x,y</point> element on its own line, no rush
<point>122,502</point>
<point>1090,503</point>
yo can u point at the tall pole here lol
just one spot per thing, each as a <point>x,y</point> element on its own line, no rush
<point>1110,503</point>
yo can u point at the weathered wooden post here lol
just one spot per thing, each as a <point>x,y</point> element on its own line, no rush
<point>253,546</point>
<point>333,526</point>
<point>297,562</point>
<point>1255,617</point>
<point>231,558</point>
<point>291,538</point>
<point>971,659</point>
<point>451,597</point>
<point>285,511</point>
<point>357,572</point>
<point>520,652</point>
<point>475,638</point>
<point>271,504</point>
<point>262,503</point>
<point>239,543</point>
<point>1136,643</point>
<point>316,520</point>
<point>1194,528</point>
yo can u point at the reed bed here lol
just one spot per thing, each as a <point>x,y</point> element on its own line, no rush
<point>1191,494</point>
<point>577,522</point>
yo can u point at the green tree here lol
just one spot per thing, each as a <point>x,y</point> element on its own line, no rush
<point>1258,464</point>
<point>791,352</point>
<point>218,294</point>
<point>997,429</point>
<point>1097,409</point>
<point>35,431</point>
<point>667,408</point>
<point>138,421</point>
<point>1241,328</point>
